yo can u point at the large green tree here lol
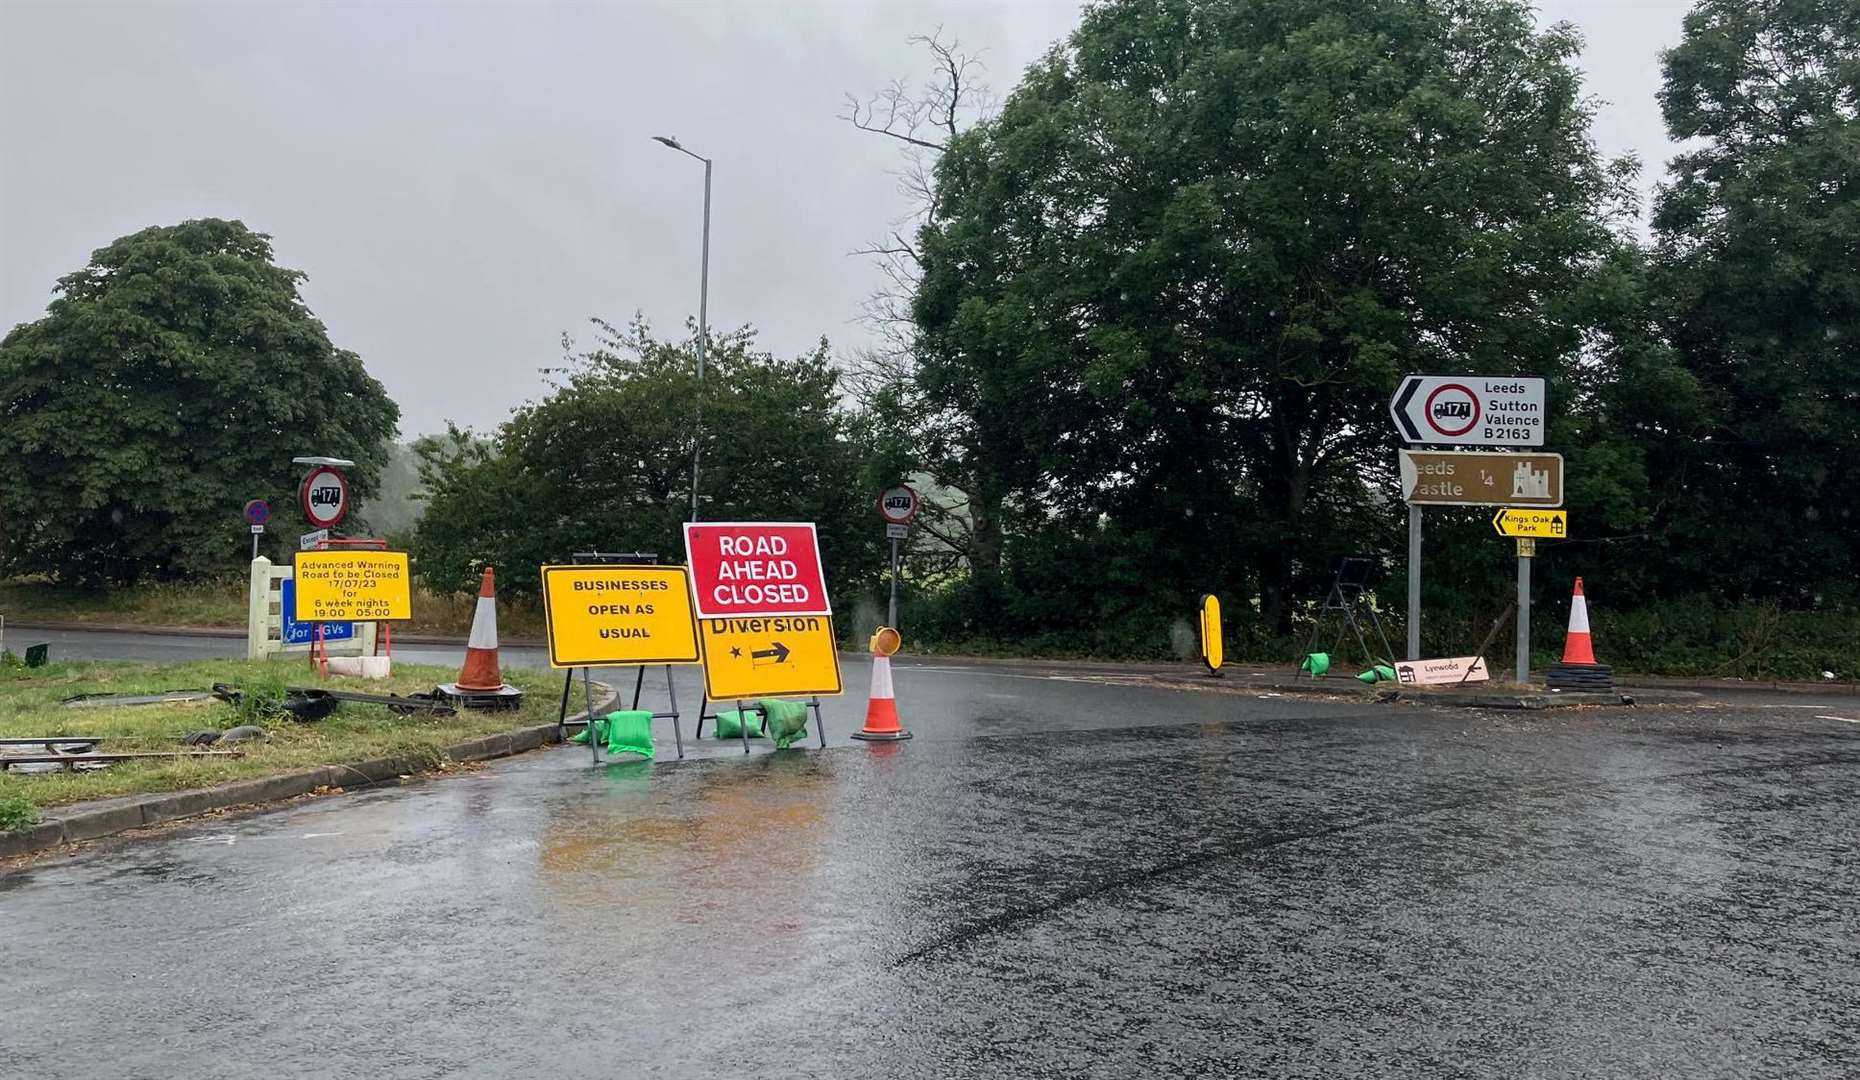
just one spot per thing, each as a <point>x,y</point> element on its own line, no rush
<point>171,379</point>
<point>1171,286</point>
<point>1758,231</point>
<point>603,462</point>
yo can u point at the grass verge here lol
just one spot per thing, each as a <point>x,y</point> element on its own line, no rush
<point>30,706</point>
<point>222,604</point>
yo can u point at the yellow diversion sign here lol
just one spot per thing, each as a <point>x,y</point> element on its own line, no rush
<point>613,616</point>
<point>768,656</point>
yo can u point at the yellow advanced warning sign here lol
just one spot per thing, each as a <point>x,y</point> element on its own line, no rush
<point>611,616</point>
<point>768,656</point>
<point>353,586</point>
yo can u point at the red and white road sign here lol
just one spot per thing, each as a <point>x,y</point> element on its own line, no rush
<point>1470,410</point>
<point>325,497</point>
<point>755,568</point>
<point>898,504</point>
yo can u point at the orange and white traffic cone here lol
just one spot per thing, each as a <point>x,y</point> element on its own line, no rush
<point>1577,646</point>
<point>881,712</point>
<point>1579,669</point>
<point>481,673</point>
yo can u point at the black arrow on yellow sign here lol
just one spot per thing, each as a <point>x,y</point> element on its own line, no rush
<point>779,653</point>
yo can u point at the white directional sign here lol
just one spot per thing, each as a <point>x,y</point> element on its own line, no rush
<point>1470,410</point>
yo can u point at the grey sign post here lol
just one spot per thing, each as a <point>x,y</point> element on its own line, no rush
<point>897,504</point>
<point>257,512</point>
<point>1477,478</point>
<point>1526,525</point>
<point>1473,411</point>
<point>1526,548</point>
<point>703,332</point>
<point>1414,583</point>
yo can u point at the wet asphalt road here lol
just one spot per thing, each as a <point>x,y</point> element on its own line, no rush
<point>1059,877</point>
<point>173,648</point>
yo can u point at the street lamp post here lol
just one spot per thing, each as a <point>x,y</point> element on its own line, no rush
<point>697,434</point>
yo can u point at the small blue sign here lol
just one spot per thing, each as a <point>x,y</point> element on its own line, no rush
<point>303,633</point>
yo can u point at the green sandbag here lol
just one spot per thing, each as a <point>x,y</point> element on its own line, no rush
<point>1316,664</point>
<point>628,731</point>
<point>730,724</point>
<point>787,720</point>
<point>1379,673</point>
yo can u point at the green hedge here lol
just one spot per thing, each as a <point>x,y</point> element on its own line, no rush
<point>1692,636</point>
<point>1696,636</point>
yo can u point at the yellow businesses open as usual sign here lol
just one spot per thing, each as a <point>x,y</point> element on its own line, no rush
<point>353,586</point>
<point>613,616</point>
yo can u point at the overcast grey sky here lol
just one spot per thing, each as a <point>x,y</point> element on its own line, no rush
<point>464,181</point>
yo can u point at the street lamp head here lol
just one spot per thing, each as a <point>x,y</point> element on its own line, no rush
<point>669,140</point>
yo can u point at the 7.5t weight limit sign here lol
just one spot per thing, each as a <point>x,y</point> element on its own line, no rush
<point>1470,410</point>
<point>898,504</point>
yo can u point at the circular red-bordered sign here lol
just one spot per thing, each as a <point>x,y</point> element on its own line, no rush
<point>325,497</point>
<point>1452,410</point>
<point>898,504</point>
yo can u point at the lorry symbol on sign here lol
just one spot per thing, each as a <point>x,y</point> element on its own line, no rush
<point>898,504</point>
<point>325,497</point>
<point>1452,410</point>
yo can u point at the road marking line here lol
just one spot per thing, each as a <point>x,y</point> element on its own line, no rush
<point>1007,674</point>
<point>1842,719</point>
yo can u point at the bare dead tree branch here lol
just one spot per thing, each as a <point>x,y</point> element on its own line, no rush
<point>923,119</point>
<point>901,117</point>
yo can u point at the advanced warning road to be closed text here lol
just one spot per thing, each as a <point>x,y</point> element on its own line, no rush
<point>353,586</point>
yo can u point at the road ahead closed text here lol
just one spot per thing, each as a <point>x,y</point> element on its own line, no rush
<point>755,568</point>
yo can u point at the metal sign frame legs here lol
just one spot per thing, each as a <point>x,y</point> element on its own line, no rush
<point>607,558</point>
<point>562,722</point>
<point>1342,599</point>
<point>587,678</point>
<point>704,713</point>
